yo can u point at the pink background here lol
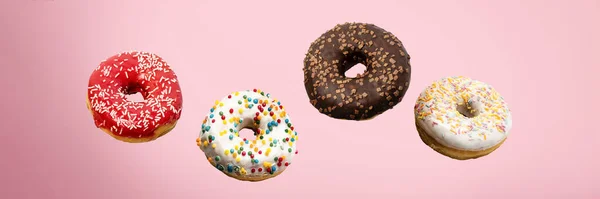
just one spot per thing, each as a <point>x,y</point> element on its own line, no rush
<point>541,55</point>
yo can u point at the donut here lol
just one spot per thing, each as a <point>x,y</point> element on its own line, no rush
<point>379,88</point>
<point>261,158</point>
<point>462,118</point>
<point>129,73</point>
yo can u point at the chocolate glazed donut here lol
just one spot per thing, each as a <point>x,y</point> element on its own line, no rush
<point>379,88</point>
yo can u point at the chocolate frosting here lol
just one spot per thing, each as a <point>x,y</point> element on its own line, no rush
<point>378,89</point>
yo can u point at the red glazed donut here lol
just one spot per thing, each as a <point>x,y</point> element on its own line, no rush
<point>128,73</point>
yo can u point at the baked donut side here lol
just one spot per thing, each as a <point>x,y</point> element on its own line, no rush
<point>129,73</point>
<point>462,118</point>
<point>452,152</point>
<point>379,88</point>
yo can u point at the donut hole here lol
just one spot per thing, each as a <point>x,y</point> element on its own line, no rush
<point>133,92</point>
<point>355,71</point>
<point>466,110</point>
<point>247,133</point>
<point>354,65</point>
<point>135,97</point>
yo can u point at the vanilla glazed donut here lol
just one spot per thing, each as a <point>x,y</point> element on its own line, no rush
<point>462,118</point>
<point>268,155</point>
<point>128,73</point>
<point>381,87</point>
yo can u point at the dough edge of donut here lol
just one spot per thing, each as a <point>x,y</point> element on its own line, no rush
<point>263,177</point>
<point>160,131</point>
<point>356,119</point>
<point>451,152</point>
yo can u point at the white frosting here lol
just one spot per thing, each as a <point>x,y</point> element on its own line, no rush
<point>439,109</point>
<point>278,139</point>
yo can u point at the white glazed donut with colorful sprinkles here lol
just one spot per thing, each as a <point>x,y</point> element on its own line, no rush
<point>249,160</point>
<point>462,118</point>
